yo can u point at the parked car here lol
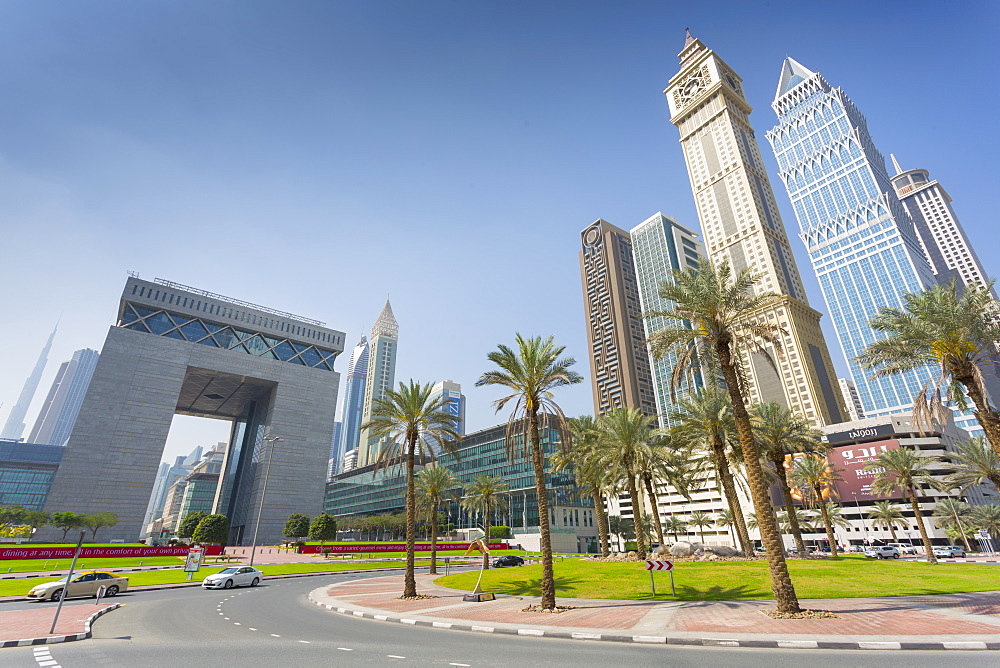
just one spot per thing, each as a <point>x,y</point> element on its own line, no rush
<point>948,551</point>
<point>508,560</point>
<point>234,576</point>
<point>882,552</point>
<point>904,548</point>
<point>83,584</point>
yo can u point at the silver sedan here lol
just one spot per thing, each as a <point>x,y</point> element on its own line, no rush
<point>234,576</point>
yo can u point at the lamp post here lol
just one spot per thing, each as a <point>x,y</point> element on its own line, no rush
<point>263,491</point>
<point>861,518</point>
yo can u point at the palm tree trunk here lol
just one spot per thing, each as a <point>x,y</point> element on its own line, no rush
<point>487,523</point>
<point>729,489</point>
<point>892,530</point>
<point>410,582</point>
<point>988,418</point>
<point>434,537</point>
<point>548,583</point>
<point>633,492</point>
<point>648,480</point>
<point>602,521</point>
<point>781,581</point>
<point>920,525</point>
<point>825,512</point>
<point>786,493</point>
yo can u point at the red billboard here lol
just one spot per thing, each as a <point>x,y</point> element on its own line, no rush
<point>391,547</point>
<point>103,552</point>
<point>850,460</point>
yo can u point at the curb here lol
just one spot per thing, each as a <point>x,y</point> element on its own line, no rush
<point>50,640</point>
<point>667,640</point>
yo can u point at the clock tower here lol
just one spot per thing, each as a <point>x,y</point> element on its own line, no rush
<point>741,225</point>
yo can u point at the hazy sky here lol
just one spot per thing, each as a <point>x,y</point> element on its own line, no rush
<point>316,157</point>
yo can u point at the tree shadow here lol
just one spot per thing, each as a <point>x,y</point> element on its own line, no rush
<point>532,587</point>
<point>715,594</point>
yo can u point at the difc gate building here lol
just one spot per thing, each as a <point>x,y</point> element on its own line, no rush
<point>179,350</point>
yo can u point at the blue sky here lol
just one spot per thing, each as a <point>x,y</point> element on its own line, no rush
<point>316,157</point>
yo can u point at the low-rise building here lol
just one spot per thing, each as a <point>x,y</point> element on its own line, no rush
<point>26,472</point>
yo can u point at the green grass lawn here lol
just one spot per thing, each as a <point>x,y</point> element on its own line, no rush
<point>847,577</point>
<point>17,587</point>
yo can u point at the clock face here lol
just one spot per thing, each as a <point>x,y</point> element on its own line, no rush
<point>691,87</point>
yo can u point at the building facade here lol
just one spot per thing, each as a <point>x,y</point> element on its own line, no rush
<point>365,491</point>
<point>450,393</point>
<point>941,235</point>
<point>742,227</point>
<point>660,246</point>
<point>381,376</point>
<point>619,360</point>
<point>353,409</point>
<point>855,411</point>
<point>62,404</point>
<point>13,429</point>
<point>176,349</point>
<point>861,241</point>
<point>26,472</point>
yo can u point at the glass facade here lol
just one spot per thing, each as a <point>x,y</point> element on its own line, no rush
<point>860,239</point>
<point>365,492</point>
<point>660,246</point>
<point>26,472</point>
<point>196,330</point>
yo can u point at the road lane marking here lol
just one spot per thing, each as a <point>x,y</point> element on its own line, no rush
<point>305,642</point>
<point>251,628</point>
<point>459,664</point>
<point>275,635</point>
<point>395,656</point>
<point>345,649</point>
<point>237,624</point>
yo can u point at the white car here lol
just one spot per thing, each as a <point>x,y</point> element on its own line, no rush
<point>234,576</point>
<point>882,552</point>
<point>949,551</point>
<point>904,548</point>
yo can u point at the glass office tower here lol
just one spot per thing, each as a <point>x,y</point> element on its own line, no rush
<point>862,242</point>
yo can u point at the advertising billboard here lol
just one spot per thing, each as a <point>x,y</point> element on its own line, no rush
<point>849,460</point>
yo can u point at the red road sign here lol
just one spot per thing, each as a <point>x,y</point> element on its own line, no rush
<point>659,565</point>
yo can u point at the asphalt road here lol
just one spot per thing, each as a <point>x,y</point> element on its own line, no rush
<point>274,624</point>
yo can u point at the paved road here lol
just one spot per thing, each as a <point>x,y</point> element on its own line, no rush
<point>274,624</point>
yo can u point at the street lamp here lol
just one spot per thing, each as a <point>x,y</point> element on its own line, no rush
<point>263,491</point>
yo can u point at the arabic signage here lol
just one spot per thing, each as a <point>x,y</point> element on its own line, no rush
<point>850,460</point>
<point>857,434</point>
<point>92,552</point>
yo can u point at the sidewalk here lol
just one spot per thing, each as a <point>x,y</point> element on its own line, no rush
<point>30,627</point>
<point>951,621</point>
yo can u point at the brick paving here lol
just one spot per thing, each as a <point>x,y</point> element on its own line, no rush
<point>952,617</point>
<point>18,624</point>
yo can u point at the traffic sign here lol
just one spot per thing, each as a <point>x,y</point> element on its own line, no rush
<point>659,565</point>
<point>983,533</point>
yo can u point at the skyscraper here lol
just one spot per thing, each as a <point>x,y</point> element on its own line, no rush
<point>862,243</point>
<point>854,409</point>
<point>14,426</point>
<point>454,402</point>
<point>354,403</point>
<point>62,405</point>
<point>941,236</point>
<point>660,246</point>
<point>381,376</point>
<point>619,361</point>
<point>741,226</point>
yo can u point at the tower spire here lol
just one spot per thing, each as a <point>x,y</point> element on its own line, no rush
<point>688,37</point>
<point>14,426</point>
<point>895,163</point>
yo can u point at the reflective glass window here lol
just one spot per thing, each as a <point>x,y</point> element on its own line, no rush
<point>212,327</point>
<point>311,357</point>
<point>194,330</point>
<point>129,315</point>
<point>244,335</point>
<point>284,351</point>
<point>175,334</point>
<point>268,355</point>
<point>137,326</point>
<point>143,311</point>
<point>256,345</point>
<point>226,338</point>
<point>159,323</point>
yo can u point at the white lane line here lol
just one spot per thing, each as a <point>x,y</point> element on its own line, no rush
<point>251,628</point>
<point>226,618</point>
<point>395,656</point>
<point>275,635</point>
<point>345,649</point>
<point>459,664</point>
<point>305,642</point>
<point>237,624</point>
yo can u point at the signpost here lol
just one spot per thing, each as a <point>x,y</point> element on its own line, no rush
<point>193,562</point>
<point>985,541</point>
<point>661,566</point>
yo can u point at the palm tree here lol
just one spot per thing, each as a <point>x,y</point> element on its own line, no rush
<point>954,514</point>
<point>781,434</point>
<point>887,514</point>
<point>974,462</point>
<point>619,527</point>
<point>726,520</point>
<point>435,485</point>
<point>706,419</point>
<point>814,475</point>
<point>987,517</point>
<point>715,310</point>
<point>675,525</point>
<point>905,469</point>
<point>589,469</point>
<point>411,419</point>
<point>532,372</point>
<point>803,518</point>
<point>486,494</point>
<point>701,520</point>
<point>951,330</point>
<point>660,462</point>
<point>625,441</point>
